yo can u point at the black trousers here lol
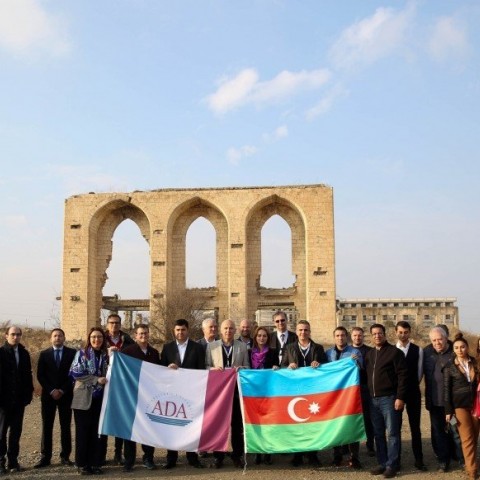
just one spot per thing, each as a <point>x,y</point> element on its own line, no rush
<point>236,426</point>
<point>12,427</point>
<point>49,409</point>
<point>172,457</point>
<point>367,420</point>
<point>130,452</point>
<point>413,408</point>
<point>89,446</point>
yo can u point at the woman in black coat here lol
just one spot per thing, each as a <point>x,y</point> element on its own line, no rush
<point>262,356</point>
<point>460,388</point>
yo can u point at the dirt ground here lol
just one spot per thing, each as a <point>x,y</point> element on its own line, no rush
<point>280,470</point>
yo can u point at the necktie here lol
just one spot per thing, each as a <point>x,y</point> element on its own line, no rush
<point>282,338</point>
<point>57,357</point>
<point>17,358</point>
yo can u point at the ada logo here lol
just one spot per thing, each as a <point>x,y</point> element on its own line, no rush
<point>169,410</point>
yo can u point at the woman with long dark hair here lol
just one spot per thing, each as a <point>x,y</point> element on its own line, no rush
<point>460,387</point>
<point>262,357</point>
<point>89,369</point>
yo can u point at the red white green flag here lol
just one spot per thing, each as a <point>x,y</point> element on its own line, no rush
<point>301,410</point>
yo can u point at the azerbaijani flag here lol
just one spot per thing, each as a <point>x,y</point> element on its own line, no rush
<point>301,410</point>
<point>180,409</point>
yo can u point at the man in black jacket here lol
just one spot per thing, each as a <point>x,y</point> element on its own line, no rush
<point>52,374</point>
<point>304,353</point>
<point>387,384</point>
<point>182,353</point>
<point>281,336</point>
<point>16,391</point>
<point>142,350</point>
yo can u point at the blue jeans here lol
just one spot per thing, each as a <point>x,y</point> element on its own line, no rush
<point>386,429</point>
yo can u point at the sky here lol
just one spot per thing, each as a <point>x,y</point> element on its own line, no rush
<point>379,100</point>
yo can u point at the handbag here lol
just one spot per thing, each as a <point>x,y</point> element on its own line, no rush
<point>82,395</point>
<point>476,403</point>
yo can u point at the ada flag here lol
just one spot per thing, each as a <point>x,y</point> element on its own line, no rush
<point>301,410</point>
<point>175,409</point>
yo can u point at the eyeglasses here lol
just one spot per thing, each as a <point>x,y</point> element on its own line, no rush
<point>15,334</point>
<point>280,321</point>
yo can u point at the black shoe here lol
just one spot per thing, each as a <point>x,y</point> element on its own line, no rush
<point>196,464</point>
<point>85,471</point>
<point>118,460</point>
<point>297,461</point>
<point>127,468</point>
<point>97,471</point>
<point>389,473</point>
<point>314,462</point>
<point>378,470</point>
<point>419,465</point>
<point>42,463</point>
<point>217,463</point>
<point>15,468</point>
<point>149,465</point>
<point>267,459</point>
<point>355,464</point>
<point>238,462</point>
<point>66,462</point>
<point>169,465</point>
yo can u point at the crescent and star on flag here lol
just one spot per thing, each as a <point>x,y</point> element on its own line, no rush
<point>313,408</point>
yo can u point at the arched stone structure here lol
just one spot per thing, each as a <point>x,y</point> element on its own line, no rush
<point>238,215</point>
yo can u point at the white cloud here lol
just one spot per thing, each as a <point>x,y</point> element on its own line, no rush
<point>245,88</point>
<point>372,38</point>
<point>326,103</point>
<point>26,27</point>
<point>448,39</point>
<point>279,133</point>
<point>84,178</point>
<point>234,155</point>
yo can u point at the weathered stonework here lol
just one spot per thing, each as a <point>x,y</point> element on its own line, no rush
<point>238,215</point>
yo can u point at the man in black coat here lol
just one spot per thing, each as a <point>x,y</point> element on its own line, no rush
<point>182,353</point>
<point>52,374</point>
<point>16,391</point>
<point>281,336</point>
<point>142,350</point>
<point>304,353</point>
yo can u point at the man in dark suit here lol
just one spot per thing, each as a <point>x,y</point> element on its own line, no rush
<point>142,350</point>
<point>52,374</point>
<point>182,353</point>
<point>210,331</point>
<point>229,353</point>
<point>304,353</point>
<point>281,336</point>
<point>16,391</point>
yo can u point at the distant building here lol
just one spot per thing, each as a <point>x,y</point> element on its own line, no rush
<point>422,312</point>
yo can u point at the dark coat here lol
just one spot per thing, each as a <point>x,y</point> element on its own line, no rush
<point>431,361</point>
<point>16,382</point>
<point>386,372</point>
<point>271,358</point>
<point>194,355</point>
<point>458,392</point>
<point>152,355</point>
<point>292,354</point>
<point>126,340</point>
<point>50,377</point>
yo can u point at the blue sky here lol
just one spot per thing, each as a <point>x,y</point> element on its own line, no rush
<point>379,100</point>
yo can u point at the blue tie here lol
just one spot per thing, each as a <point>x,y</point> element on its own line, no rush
<point>57,357</point>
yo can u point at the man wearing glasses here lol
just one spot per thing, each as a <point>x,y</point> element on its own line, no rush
<point>142,350</point>
<point>281,336</point>
<point>15,394</point>
<point>117,341</point>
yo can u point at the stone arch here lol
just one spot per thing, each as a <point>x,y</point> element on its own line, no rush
<point>258,214</point>
<point>103,224</point>
<point>179,223</point>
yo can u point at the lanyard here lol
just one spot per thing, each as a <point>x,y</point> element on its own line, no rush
<point>229,354</point>
<point>304,352</point>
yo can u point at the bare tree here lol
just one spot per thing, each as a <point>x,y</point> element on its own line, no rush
<point>190,304</point>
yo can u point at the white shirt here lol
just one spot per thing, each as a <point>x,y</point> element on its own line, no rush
<point>182,348</point>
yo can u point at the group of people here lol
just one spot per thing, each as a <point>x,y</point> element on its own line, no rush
<point>390,377</point>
